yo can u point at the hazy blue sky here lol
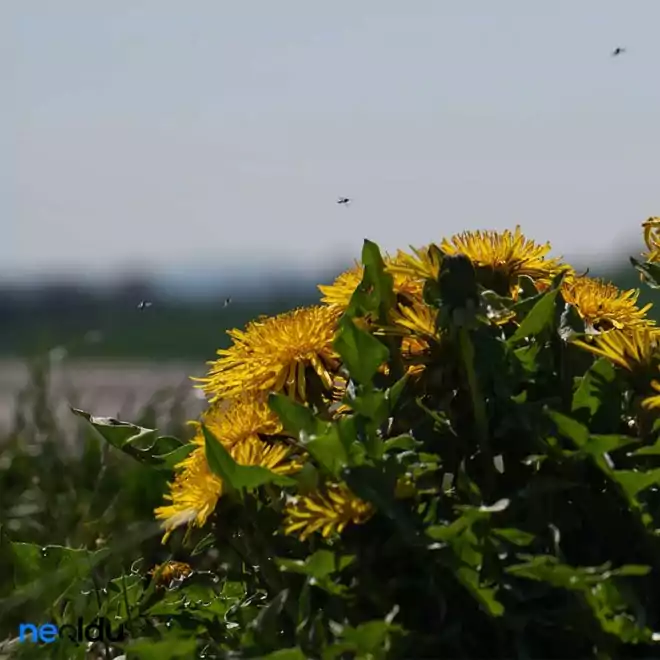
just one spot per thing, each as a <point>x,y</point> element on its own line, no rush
<point>167,133</point>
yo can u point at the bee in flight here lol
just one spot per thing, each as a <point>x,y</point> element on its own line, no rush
<point>143,304</point>
<point>618,51</point>
<point>227,302</point>
<point>344,200</point>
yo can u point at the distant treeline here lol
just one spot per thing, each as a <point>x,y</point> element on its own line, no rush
<point>111,322</point>
<point>108,322</point>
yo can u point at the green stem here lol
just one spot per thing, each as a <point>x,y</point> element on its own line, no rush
<point>478,404</point>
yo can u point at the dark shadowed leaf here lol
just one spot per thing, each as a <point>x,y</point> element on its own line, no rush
<point>650,272</point>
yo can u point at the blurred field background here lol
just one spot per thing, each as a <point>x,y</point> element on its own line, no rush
<point>108,352</point>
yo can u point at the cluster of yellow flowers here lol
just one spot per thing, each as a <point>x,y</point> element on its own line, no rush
<point>293,353</point>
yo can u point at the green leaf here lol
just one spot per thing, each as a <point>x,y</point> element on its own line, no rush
<point>634,482</point>
<point>320,565</point>
<point>238,477</point>
<point>285,654</point>
<point>394,393</point>
<point>403,442</point>
<point>307,478</point>
<point>44,573</point>
<point>540,318</point>
<point>546,568</point>
<point>171,460</point>
<point>650,272</point>
<point>370,637</point>
<point>515,536</point>
<point>375,293</point>
<point>361,353</point>
<point>327,450</point>
<point>294,416</point>
<point>597,391</point>
<point>649,450</point>
<point>373,405</point>
<point>467,554</point>
<point>597,445</point>
<point>367,641</point>
<point>570,428</point>
<point>140,443</point>
<point>570,323</point>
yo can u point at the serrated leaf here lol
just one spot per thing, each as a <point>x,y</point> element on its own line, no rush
<point>546,568</point>
<point>140,443</point>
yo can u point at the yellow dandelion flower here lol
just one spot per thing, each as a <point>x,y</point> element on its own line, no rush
<point>415,324</point>
<point>603,305</point>
<point>193,495</point>
<point>635,349</point>
<point>416,320</point>
<point>508,255</point>
<point>423,264</point>
<point>238,420</point>
<point>272,354</point>
<point>274,456</point>
<point>339,293</point>
<point>653,402</point>
<point>195,491</point>
<point>652,239</point>
<point>169,572</point>
<point>327,511</point>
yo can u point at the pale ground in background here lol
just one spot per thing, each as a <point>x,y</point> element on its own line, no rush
<point>107,389</point>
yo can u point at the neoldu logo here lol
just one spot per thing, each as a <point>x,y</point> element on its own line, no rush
<point>99,630</point>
